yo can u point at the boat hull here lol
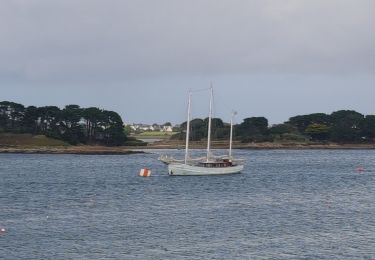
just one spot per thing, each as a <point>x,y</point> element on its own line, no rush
<point>191,170</point>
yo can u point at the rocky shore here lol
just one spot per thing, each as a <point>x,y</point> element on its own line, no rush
<point>256,146</point>
<point>103,150</point>
<point>265,146</point>
<point>84,150</point>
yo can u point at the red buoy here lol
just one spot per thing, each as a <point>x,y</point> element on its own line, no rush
<point>360,169</point>
<point>145,172</point>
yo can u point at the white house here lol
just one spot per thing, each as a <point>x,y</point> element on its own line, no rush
<point>167,129</point>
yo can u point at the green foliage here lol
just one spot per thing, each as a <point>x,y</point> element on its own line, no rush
<point>127,130</point>
<point>282,129</point>
<point>284,132</point>
<point>30,122</point>
<point>131,141</point>
<point>303,121</point>
<point>340,126</point>
<point>346,126</point>
<point>71,124</point>
<point>29,140</point>
<point>254,129</point>
<point>221,133</point>
<point>318,131</point>
<point>368,128</point>
<point>293,137</point>
<point>199,129</point>
<point>11,116</point>
<point>92,125</point>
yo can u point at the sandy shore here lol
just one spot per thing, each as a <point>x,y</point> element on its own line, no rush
<point>257,146</point>
<point>102,150</point>
<point>89,150</point>
<point>276,147</point>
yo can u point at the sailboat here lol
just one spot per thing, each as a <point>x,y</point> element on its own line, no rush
<point>210,165</point>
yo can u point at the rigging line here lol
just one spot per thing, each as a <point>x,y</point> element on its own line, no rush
<point>223,104</point>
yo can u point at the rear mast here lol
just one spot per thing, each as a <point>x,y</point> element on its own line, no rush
<point>188,129</point>
<point>209,124</point>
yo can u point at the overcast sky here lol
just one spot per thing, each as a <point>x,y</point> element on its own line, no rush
<point>266,58</point>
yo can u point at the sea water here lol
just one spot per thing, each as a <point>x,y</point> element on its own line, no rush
<point>287,204</point>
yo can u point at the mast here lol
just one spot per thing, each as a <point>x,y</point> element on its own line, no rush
<point>188,129</point>
<point>234,113</point>
<point>209,123</point>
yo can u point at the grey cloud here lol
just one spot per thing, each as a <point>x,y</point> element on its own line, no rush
<point>273,58</point>
<point>116,40</point>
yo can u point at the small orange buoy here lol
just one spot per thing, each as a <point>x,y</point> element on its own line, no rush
<point>145,173</point>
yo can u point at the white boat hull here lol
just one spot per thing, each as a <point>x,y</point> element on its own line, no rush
<point>190,170</point>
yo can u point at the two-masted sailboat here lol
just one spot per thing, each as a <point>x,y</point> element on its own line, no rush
<point>210,165</point>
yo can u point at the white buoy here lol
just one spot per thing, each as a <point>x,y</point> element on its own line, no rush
<point>2,230</point>
<point>145,172</point>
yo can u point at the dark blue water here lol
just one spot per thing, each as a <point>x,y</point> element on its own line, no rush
<point>285,205</point>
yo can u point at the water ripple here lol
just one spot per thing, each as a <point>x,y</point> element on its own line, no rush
<point>285,205</point>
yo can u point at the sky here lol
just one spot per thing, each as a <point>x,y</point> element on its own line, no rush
<point>272,58</point>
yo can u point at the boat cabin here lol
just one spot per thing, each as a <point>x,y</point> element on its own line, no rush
<point>220,164</point>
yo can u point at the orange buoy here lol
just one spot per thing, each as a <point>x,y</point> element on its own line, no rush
<point>145,172</point>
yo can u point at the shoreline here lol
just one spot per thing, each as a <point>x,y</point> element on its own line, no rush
<point>270,147</point>
<point>128,150</point>
<point>260,146</point>
<point>76,150</point>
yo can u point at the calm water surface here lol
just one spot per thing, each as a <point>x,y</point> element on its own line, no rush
<point>285,205</point>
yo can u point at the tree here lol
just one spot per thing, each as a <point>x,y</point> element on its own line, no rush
<point>198,129</point>
<point>12,115</point>
<point>49,121</point>
<point>72,124</point>
<point>303,121</point>
<point>222,133</point>
<point>281,129</point>
<point>113,128</point>
<point>346,126</point>
<point>102,126</point>
<point>71,128</point>
<point>128,130</point>
<point>92,117</point>
<point>285,132</point>
<point>253,129</point>
<point>216,123</point>
<point>368,128</point>
<point>318,131</point>
<point>31,120</point>
<point>3,115</point>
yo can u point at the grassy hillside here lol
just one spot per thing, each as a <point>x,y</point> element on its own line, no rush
<point>154,135</point>
<point>8,139</point>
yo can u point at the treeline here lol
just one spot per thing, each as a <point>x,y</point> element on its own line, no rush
<point>92,125</point>
<point>72,124</point>
<point>344,126</point>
